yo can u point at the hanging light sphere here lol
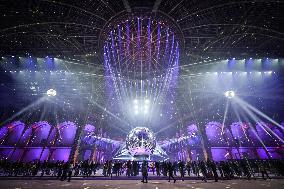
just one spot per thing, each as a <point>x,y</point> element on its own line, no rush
<point>230,94</point>
<point>140,141</point>
<point>133,43</point>
<point>51,92</point>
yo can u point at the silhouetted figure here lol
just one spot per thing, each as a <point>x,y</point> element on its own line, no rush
<point>128,168</point>
<point>64,171</point>
<point>214,169</point>
<point>135,168</point>
<point>220,170</point>
<point>109,169</point>
<point>144,172</point>
<point>157,166</point>
<point>69,175</point>
<point>188,166</point>
<point>171,172</point>
<point>165,168</point>
<point>175,165</point>
<point>195,169</point>
<point>203,170</point>
<point>181,169</point>
<point>263,171</point>
<point>245,169</point>
<point>105,167</point>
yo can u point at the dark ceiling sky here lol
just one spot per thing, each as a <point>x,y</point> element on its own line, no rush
<point>210,27</point>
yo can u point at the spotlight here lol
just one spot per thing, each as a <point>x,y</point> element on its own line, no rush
<point>230,94</point>
<point>147,101</point>
<point>136,107</point>
<point>51,92</point>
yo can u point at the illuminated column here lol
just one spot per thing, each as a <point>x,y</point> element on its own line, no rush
<point>236,143</point>
<point>5,135</point>
<point>26,149</point>
<point>45,143</point>
<point>17,143</point>
<point>189,156</point>
<point>76,145</point>
<point>53,144</point>
<point>94,154</point>
<point>225,138</point>
<point>206,148</point>
<point>76,155</point>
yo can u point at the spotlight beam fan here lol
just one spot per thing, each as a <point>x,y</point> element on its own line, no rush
<point>225,116</point>
<point>141,57</point>
<point>259,112</point>
<point>245,106</point>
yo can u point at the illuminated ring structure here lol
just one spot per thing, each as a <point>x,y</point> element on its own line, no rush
<point>140,43</point>
<point>140,141</point>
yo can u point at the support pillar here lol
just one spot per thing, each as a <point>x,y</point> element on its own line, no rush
<point>204,144</point>
<point>76,145</point>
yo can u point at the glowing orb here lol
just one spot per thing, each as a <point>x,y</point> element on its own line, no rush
<point>230,94</point>
<point>140,141</point>
<point>51,92</point>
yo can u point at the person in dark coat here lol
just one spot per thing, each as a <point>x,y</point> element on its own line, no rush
<point>144,172</point>
<point>188,166</point>
<point>171,172</point>
<point>69,174</point>
<point>214,169</point>
<point>64,172</point>
<point>263,171</point>
<point>109,169</point>
<point>181,169</point>
<point>128,168</point>
<point>157,166</point>
<point>203,170</point>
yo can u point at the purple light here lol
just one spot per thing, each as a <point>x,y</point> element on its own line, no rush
<point>3,131</point>
<point>143,46</point>
<point>89,128</point>
<point>26,137</point>
<point>61,154</point>
<point>219,154</point>
<point>239,131</point>
<point>15,131</point>
<point>141,60</point>
<point>41,130</point>
<point>215,136</point>
<point>67,131</point>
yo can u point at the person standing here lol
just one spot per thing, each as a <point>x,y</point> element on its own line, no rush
<point>70,170</point>
<point>64,172</point>
<point>181,169</point>
<point>203,170</point>
<point>109,169</point>
<point>105,167</point>
<point>263,171</point>
<point>175,165</point>
<point>171,172</point>
<point>188,166</point>
<point>157,166</point>
<point>135,168</point>
<point>128,168</point>
<point>214,169</point>
<point>144,172</point>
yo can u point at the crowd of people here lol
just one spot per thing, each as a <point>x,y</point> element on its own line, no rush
<point>172,170</point>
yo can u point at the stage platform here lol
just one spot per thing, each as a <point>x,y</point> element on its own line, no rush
<point>136,184</point>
